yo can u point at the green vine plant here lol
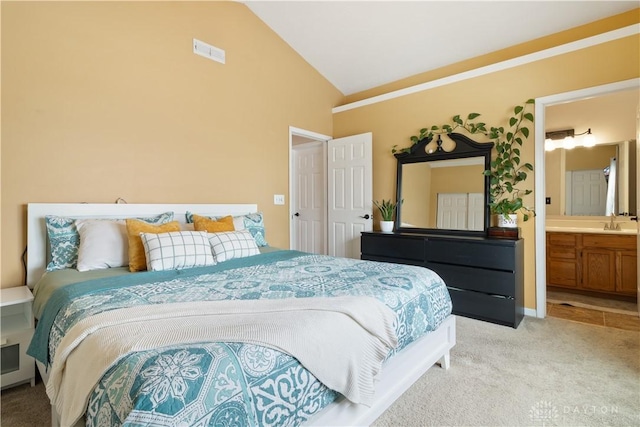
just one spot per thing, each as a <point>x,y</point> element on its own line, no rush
<point>506,172</point>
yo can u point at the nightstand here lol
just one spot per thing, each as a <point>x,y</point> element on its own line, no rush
<point>17,330</point>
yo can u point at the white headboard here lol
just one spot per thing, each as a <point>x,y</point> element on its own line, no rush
<point>37,230</point>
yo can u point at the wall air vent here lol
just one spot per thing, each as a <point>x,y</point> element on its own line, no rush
<point>203,49</point>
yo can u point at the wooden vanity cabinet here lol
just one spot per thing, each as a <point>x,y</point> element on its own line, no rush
<point>627,272</point>
<point>604,263</point>
<point>563,267</point>
<point>598,270</point>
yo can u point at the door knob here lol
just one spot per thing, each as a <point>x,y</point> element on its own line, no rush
<point>296,214</point>
<point>366,216</point>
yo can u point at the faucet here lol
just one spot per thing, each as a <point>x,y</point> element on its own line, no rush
<point>612,225</point>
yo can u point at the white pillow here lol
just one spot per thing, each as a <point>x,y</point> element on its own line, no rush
<point>227,245</point>
<point>103,244</point>
<point>176,250</point>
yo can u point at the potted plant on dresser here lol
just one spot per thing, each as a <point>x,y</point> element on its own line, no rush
<point>387,211</point>
<point>507,172</point>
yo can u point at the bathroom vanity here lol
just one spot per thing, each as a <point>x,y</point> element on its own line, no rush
<point>593,262</point>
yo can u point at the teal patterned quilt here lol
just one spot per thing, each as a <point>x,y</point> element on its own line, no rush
<point>231,384</point>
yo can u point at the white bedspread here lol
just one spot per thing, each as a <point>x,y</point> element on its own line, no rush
<point>342,341</point>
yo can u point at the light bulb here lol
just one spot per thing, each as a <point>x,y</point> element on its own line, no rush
<point>568,143</point>
<point>549,144</point>
<point>589,140</point>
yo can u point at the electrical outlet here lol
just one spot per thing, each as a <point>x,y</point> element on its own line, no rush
<point>548,200</point>
<point>278,199</point>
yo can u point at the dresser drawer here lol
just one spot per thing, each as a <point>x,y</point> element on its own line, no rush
<point>610,241</point>
<point>561,252</point>
<point>486,281</point>
<point>472,254</point>
<point>562,273</point>
<point>485,307</point>
<point>417,262</point>
<point>562,239</point>
<point>392,246</point>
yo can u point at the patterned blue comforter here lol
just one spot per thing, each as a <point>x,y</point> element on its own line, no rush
<point>212,384</point>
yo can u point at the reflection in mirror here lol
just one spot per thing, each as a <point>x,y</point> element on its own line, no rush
<point>577,183</point>
<point>612,119</point>
<point>444,194</point>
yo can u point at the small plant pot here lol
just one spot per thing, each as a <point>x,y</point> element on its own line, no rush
<point>386,226</point>
<point>509,221</point>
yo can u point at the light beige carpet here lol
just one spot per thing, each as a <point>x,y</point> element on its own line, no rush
<point>546,372</point>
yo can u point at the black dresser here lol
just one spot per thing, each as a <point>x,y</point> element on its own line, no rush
<point>485,277</point>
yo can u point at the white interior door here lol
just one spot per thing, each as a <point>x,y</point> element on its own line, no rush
<point>309,188</point>
<point>452,211</point>
<point>460,211</point>
<point>586,192</point>
<point>350,182</point>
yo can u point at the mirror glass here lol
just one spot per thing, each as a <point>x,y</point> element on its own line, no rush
<point>443,194</point>
<point>443,188</point>
<point>576,183</point>
<point>597,180</point>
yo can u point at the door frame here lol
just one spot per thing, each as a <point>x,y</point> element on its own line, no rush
<point>312,136</point>
<point>539,184</point>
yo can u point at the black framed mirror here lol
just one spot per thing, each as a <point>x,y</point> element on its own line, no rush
<point>443,188</point>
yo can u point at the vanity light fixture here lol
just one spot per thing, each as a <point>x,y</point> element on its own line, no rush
<point>566,139</point>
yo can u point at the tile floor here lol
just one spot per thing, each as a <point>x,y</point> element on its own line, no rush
<point>630,322</point>
<point>587,301</point>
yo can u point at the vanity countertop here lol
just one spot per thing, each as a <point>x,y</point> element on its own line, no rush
<point>601,230</point>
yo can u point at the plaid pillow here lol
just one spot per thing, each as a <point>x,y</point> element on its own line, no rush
<point>233,244</point>
<point>176,250</point>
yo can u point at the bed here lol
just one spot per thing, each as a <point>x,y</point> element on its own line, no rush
<point>160,360</point>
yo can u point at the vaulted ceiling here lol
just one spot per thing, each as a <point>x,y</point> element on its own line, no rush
<point>358,45</point>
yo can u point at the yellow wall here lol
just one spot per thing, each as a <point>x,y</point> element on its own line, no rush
<point>415,195</point>
<point>493,95</point>
<point>103,100</point>
<point>553,162</point>
<point>597,157</point>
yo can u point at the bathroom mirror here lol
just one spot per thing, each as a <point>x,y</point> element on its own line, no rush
<point>575,180</point>
<point>598,181</point>
<point>442,186</point>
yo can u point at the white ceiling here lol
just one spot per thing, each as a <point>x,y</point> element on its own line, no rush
<point>358,45</point>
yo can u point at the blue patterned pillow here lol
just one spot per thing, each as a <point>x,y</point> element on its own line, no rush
<point>253,222</point>
<point>64,239</point>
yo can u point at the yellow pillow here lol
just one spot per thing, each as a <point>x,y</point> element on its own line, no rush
<point>202,223</point>
<point>137,258</point>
